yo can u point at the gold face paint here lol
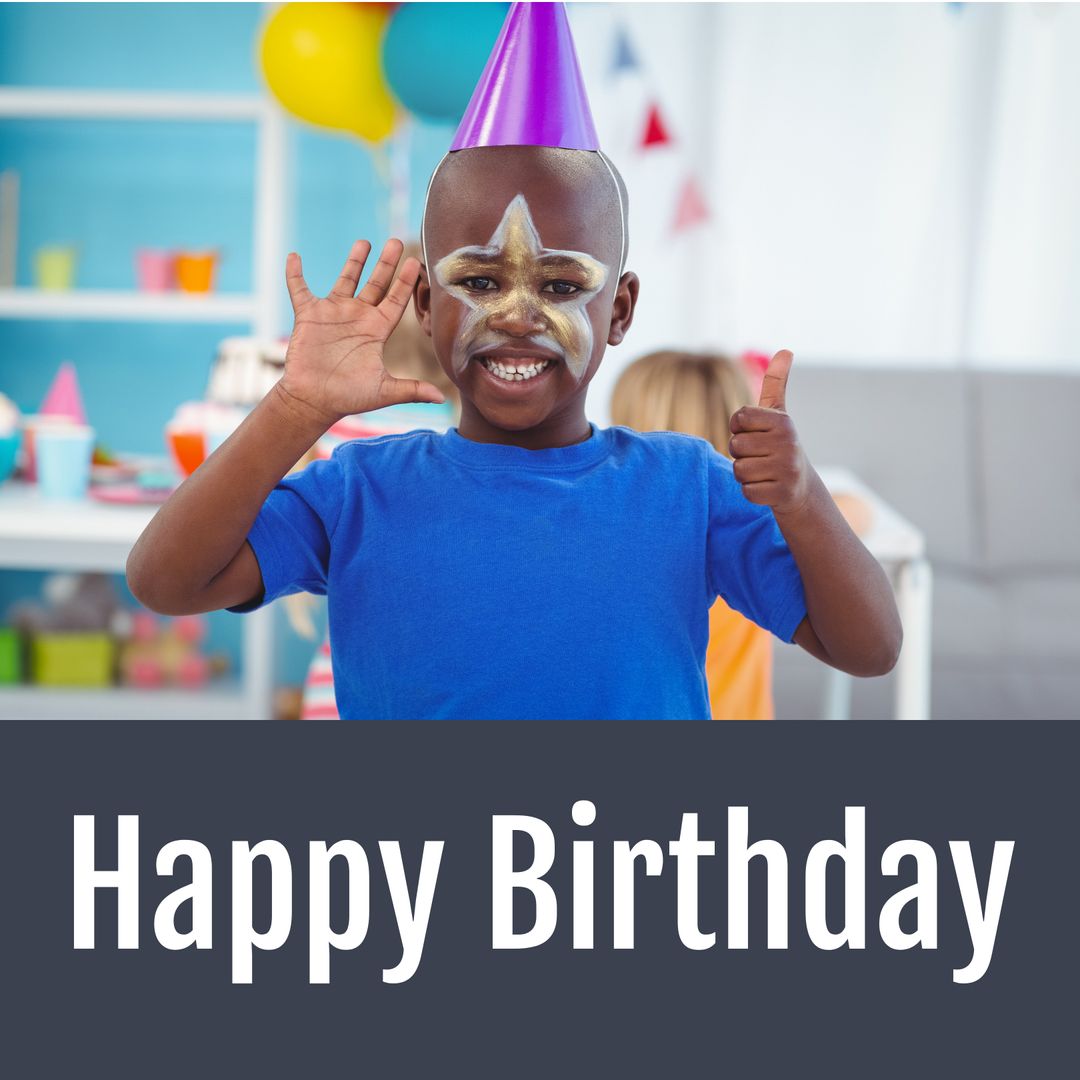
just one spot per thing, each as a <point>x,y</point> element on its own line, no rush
<point>522,273</point>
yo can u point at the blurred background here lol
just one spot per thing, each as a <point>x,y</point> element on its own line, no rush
<point>891,191</point>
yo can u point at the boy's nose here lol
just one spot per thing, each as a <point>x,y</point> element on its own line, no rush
<point>517,320</point>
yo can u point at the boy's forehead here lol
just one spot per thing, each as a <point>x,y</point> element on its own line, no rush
<point>573,204</point>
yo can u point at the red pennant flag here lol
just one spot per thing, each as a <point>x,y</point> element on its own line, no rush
<point>691,209</point>
<point>656,133</point>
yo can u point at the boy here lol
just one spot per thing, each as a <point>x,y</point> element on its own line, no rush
<point>525,564</point>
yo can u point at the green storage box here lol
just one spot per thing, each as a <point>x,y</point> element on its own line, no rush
<point>72,660</point>
<point>10,657</point>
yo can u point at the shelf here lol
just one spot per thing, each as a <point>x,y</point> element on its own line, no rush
<point>120,306</point>
<point>219,701</point>
<point>28,103</point>
<point>88,536</point>
<point>40,534</point>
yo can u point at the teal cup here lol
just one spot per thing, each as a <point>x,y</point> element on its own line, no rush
<point>9,453</point>
<point>63,460</point>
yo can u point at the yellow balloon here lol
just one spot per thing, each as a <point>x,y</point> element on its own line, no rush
<point>322,62</point>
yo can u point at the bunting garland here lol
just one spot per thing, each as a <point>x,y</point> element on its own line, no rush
<point>656,132</point>
<point>690,210</point>
<point>651,135</point>
<point>625,59</point>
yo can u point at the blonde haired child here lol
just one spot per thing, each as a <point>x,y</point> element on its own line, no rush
<point>697,395</point>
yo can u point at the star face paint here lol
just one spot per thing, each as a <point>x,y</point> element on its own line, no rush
<point>515,280</point>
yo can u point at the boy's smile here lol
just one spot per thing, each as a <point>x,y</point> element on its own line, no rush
<point>518,315</point>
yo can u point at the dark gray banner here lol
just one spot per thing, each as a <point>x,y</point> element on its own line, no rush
<point>912,910</point>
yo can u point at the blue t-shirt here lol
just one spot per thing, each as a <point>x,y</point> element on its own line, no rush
<point>471,580</point>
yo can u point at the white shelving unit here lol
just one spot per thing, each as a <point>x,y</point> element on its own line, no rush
<point>102,305</point>
<point>221,702</point>
<point>88,536</point>
<point>36,534</point>
<point>32,103</point>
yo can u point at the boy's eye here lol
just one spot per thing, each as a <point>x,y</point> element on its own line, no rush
<point>481,284</point>
<point>562,288</point>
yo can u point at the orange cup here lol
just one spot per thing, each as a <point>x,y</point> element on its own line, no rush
<point>188,448</point>
<point>195,271</point>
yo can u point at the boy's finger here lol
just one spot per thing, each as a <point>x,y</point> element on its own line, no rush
<point>376,285</point>
<point>754,470</point>
<point>401,391</point>
<point>345,286</point>
<point>753,418</point>
<point>774,386</point>
<point>400,293</point>
<point>299,293</point>
<point>748,444</point>
<point>765,493</point>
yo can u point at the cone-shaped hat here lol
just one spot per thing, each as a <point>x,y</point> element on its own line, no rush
<point>63,397</point>
<point>531,92</point>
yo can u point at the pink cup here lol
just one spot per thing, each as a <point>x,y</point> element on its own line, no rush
<point>156,270</point>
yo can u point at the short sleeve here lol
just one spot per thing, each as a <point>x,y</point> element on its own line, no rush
<point>292,533</point>
<point>749,563</point>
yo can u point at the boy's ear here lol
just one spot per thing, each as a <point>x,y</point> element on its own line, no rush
<point>622,310</point>
<point>422,301</point>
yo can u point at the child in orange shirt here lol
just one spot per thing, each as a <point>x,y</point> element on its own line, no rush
<point>697,395</point>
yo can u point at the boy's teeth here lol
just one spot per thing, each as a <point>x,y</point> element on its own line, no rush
<point>515,372</point>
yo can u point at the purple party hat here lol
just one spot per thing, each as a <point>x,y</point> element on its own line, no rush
<point>531,92</point>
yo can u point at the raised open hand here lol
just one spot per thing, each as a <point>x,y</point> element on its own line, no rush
<point>334,364</point>
<point>768,460</point>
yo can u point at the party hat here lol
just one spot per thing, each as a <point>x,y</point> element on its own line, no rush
<point>531,92</point>
<point>63,398</point>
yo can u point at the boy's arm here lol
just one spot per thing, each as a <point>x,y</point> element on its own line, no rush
<point>852,622</point>
<point>194,555</point>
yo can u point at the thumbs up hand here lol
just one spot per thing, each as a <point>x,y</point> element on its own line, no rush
<point>851,618</point>
<point>768,460</point>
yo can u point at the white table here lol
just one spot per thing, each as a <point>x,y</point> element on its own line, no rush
<point>901,549</point>
<point>36,534</point>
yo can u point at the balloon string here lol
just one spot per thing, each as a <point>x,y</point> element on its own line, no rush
<point>400,175</point>
<point>381,163</point>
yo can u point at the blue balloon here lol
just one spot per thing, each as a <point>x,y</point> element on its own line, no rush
<point>433,55</point>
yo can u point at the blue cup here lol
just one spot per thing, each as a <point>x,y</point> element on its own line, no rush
<point>63,457</point>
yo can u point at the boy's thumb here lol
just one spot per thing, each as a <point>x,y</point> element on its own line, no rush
<point>403,391</point>
<point>774,386</point>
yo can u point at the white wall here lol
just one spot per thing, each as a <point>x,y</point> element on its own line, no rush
<point>895,183</point>
<point>1026,307</point>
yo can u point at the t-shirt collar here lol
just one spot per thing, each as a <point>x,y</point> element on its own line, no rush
<point>495,455</point>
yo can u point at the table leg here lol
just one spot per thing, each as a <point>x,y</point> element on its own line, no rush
<point>914,590</point>
<point>258,660</point>
<point>837,695</point>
